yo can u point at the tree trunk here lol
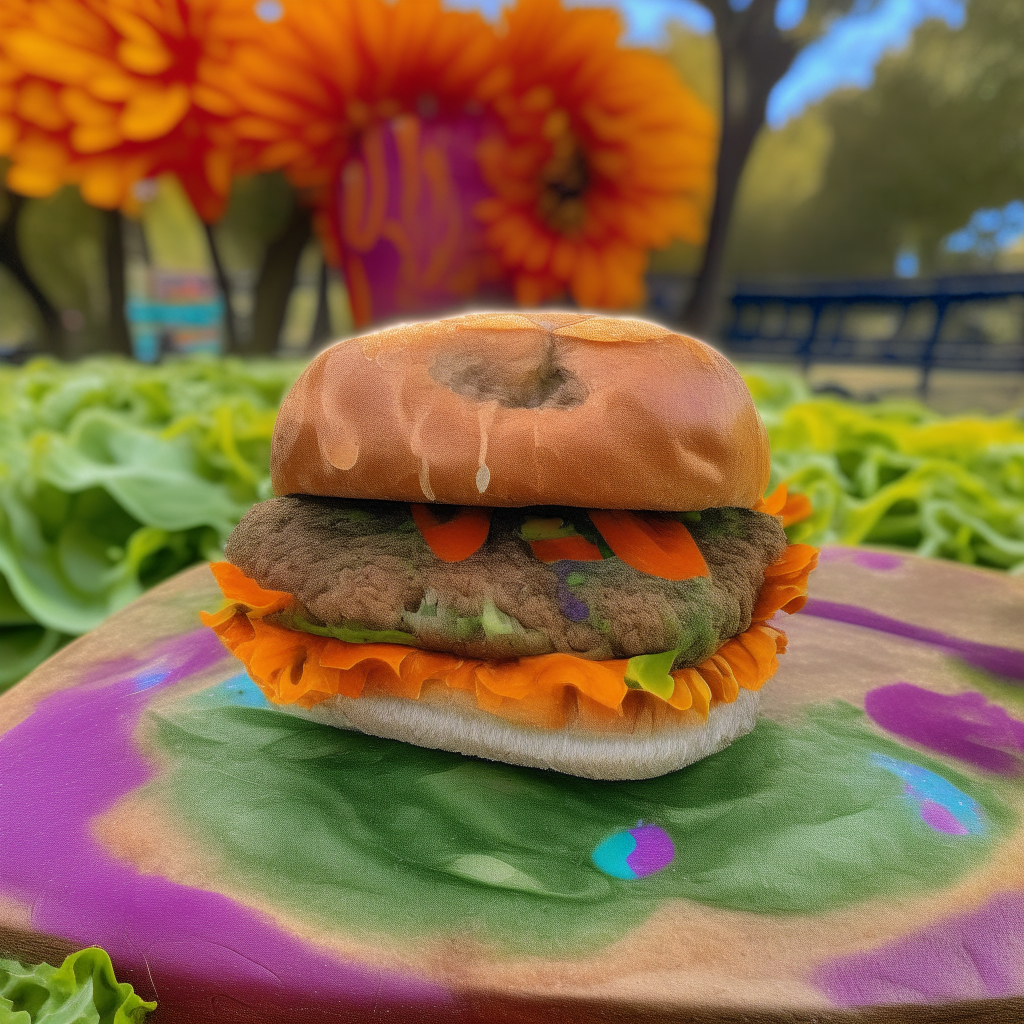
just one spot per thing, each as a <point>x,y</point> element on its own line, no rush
<point>231,341</point>
<point>276,279</point>
<point>322,329</point>
<point>754,56</point>
<point>10,257</point>
<point>119,336</point>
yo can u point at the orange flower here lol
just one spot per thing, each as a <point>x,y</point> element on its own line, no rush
<point>444,159</point>
<point>356,100</point>
<point>312,83</point>
<point>603,154</point>
<point>104,93</point>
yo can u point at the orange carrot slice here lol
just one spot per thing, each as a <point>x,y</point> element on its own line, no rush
<point>792,507</point>
<point>773,504</point>
<point>654,544</point>
<point>453,541</point>
<point>576,549</point>
<point>797,508</point>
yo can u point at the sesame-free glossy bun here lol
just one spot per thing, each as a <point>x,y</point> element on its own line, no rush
<point>512,409</point>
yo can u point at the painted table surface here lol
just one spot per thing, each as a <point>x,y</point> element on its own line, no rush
<point>858,855</point>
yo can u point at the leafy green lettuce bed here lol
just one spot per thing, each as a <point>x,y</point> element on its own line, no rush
<point>897,474</point>
<point>83,990</point>
<point>113,476</point>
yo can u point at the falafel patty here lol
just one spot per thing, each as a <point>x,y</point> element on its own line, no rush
<point>362,572</point>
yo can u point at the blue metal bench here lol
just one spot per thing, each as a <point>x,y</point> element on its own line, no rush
<point>810,321</point>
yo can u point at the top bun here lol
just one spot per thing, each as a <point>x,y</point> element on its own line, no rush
<point>514,409</point>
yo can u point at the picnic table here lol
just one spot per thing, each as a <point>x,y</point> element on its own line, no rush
<point>856,857</point>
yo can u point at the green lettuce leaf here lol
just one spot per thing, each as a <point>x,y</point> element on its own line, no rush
<point>897,473</point>
<point>83,990</point>
<point>114,476</point>
<point>652,672</point>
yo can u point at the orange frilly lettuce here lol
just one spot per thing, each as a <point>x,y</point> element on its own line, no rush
<point>292,667</point>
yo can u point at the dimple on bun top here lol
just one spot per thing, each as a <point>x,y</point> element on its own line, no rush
<point>516,409</point>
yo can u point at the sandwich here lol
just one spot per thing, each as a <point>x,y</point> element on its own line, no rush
<point>537,538</point>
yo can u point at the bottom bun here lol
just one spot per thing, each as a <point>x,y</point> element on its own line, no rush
<point>468,730</point>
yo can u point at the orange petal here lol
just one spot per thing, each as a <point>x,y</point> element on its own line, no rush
<point>145,58</point>
<point>151,113</point>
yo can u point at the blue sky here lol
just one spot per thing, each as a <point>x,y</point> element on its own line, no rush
<point>845,56</point>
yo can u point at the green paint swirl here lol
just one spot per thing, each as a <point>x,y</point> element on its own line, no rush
<point>384,838</point>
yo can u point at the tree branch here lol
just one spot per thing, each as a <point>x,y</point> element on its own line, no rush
<point>322,322</point>
<point>754,56</point>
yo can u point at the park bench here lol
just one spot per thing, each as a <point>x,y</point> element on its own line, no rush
<point>964,322</point>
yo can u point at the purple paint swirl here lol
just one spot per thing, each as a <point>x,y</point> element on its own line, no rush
<point>939,818</point>
<point>878,561</point>
<point>1002,661</point>
<point>966,956</point>
<point>72,759</point>
<point>964,725</point>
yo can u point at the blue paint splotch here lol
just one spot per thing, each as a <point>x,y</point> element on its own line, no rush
<point>634,853</point>
<point>942,806</point>
<point>242,691</point>
<point>148,678</point>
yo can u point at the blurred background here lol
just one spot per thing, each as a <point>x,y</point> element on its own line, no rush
<point>198,194</point>
<point>827,181</point>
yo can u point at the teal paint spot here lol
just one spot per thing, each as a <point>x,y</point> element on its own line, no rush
<point>925,788</point>
<point>610,855</point>
<point>634,853</point>
<point>238,691</point>
<point>375,836</point>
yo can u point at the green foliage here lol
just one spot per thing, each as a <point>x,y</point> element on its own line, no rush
<point>902,163</point>
<point>61,242</point>
<point>114,476</point>
<point>83,990</point>
<point>898,474</point>
<point>19,322</point>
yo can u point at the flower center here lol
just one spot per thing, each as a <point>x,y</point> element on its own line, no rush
<point>563,184</point>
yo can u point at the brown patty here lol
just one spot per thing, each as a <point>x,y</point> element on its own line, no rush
<point>358,567</point>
